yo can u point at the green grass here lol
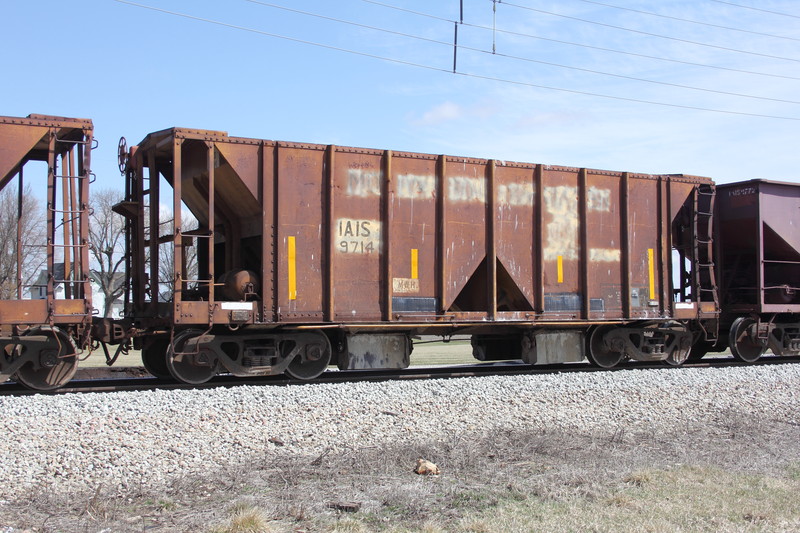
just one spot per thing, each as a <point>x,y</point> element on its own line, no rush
<point>456,352</point>
<point>425,353</point>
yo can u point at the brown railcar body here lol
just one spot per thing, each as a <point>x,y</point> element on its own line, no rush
<point>758,231</point>
<point>358,241</point>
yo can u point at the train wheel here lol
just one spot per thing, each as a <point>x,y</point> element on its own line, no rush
<point>313,357</point>
<point>53,366</point>
<point>193,368</point>
<point>599,353</point>
<point>743,346</point>
<point>680,353</point>
<point>677,357</point>
<point>154,359</point>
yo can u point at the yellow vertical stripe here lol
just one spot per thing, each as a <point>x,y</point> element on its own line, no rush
<point>560,263</point>
<point>292,253</point>
<point>414,263</point>
<point>651,270</point>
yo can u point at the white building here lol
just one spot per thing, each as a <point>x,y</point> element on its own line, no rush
<point>38,290</point>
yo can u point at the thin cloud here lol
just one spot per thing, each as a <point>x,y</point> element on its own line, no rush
<point>439,114</point>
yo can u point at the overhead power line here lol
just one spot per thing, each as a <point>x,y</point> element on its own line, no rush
<point>456,46</point>
<point>690,21</point>
<point>677,39</point>
<point>445,70</point>
<point>583,45</point>
<point>758,9</point>
<point>351,23</point>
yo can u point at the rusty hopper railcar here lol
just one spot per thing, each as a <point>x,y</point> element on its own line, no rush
<point>308,255</point>
<point>758,227</point>
<point>45,322</point>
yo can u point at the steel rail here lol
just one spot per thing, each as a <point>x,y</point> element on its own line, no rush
<point>351,376</point>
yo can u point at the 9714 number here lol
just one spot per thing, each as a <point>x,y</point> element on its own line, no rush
<point>356,247</point>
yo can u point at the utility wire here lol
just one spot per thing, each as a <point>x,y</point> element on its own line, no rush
<point>351,23</point>
<point>758,9</point>
<point>285,37</point>
<point>518,58</point>
<point>710,25</point>
<point>678,39</point>
<point>448,71</point>
<point>582,45</point>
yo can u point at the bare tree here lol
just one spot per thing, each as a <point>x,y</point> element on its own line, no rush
<point>107,239</point>
<point>32,226</point>
<point>166,256</point>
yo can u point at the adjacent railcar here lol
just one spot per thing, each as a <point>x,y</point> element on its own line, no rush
<point>46,321</point>
<point>758,232</point>
<point>304,255</point>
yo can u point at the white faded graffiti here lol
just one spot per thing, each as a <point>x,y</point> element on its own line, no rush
<point>363,182</point>
<point>598,199</point>
<point>366,183</point>
<point>464,189</point>
<point>604,255</point>
<point>562,232</point>
<point>415,187</point>
<point>515,194</point>
<point>560,202</point>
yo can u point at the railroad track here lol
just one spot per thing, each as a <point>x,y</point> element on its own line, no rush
<point>347,376</point>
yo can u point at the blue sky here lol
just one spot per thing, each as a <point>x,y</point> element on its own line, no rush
<point>135,70</point>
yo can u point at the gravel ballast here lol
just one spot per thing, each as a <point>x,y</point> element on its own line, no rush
<point>125,441</point>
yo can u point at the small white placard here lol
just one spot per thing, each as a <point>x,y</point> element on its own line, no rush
<point>237,306</point>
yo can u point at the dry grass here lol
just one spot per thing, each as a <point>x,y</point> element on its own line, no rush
<point>244,519</point>
<point>679,499</point>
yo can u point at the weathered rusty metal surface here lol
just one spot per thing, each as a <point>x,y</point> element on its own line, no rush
<point>515,230</point>
<point>413,235</point>
<point>303,239</point>
<point>463,247</point>
<point>380,351</point>
<point>25,138</point>
<point>759,238</point>
<point>23,312</point>
<point>356,189</point>
<point>65,145</point>
<point>359,236</point>
<point>553,347</point>
<point>644,219</point>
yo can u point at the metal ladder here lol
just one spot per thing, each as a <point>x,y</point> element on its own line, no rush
<point>705,284</point>
<point>71,216</point>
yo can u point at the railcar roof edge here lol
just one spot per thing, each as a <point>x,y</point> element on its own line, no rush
<point>157,138</point>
